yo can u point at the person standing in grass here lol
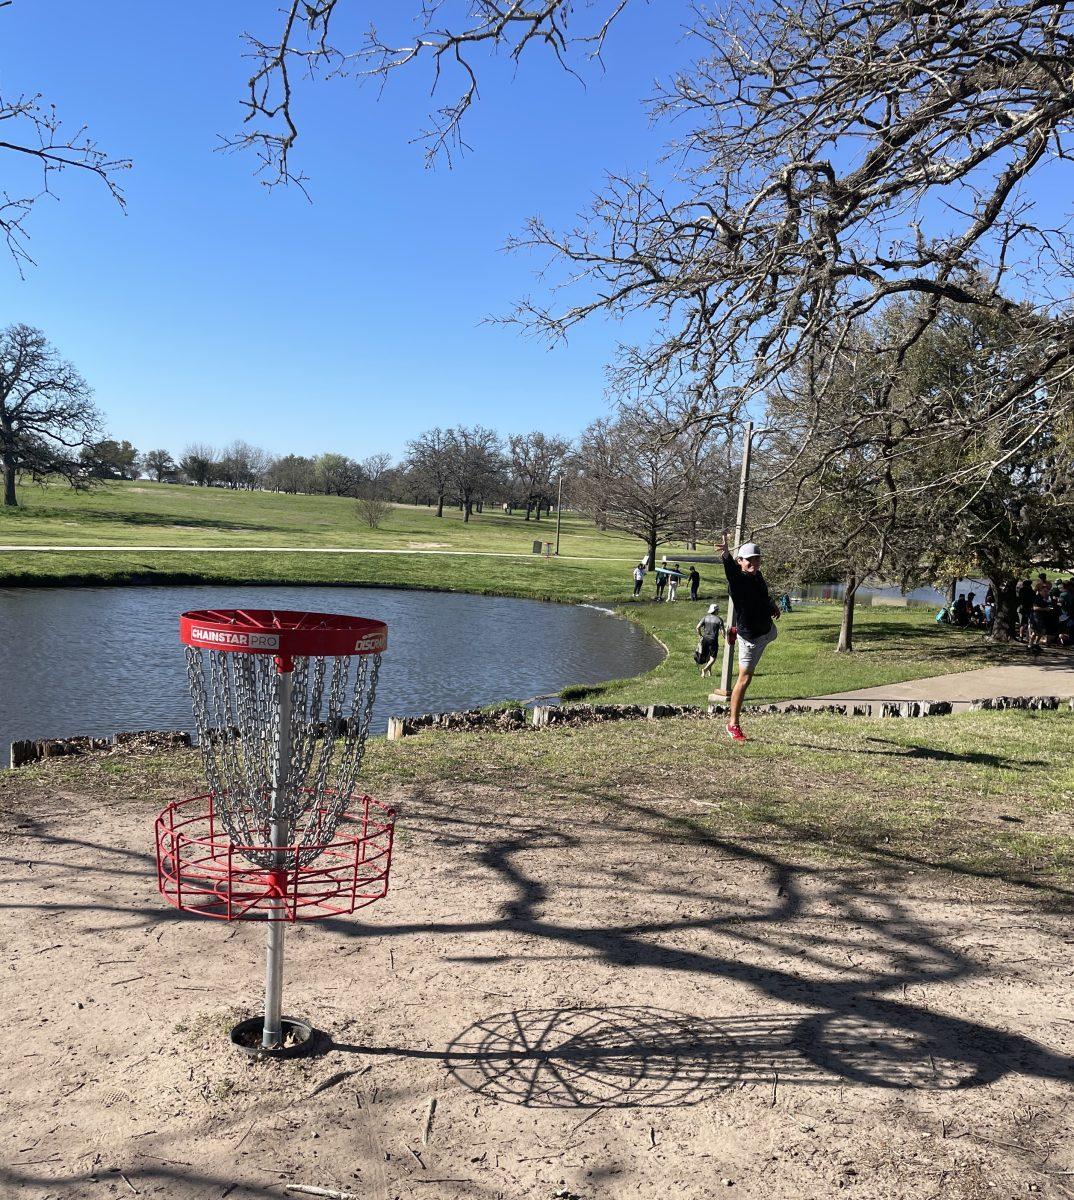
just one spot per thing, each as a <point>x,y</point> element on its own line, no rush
<point>695,581</point>
<point>639,579</point>
<point>673,582</point>
<point>662,577</point>
<point>754,613</point>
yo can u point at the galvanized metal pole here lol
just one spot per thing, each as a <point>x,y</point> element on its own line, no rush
<point>559,511</point>
<point>740,533</point>
<point>272,1029</point>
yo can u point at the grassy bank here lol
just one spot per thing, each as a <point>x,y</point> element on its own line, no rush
<point>892,645</point>
<point>216,534</point>
<point>985,795</point>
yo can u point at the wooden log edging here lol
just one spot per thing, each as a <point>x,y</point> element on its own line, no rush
<point>544,716</point>
<point>28,751</point>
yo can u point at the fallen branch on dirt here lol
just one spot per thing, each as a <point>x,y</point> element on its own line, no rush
<point>328,1193</point>
<point>428,1127</point>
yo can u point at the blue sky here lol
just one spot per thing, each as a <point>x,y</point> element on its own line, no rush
<point>214,309</point>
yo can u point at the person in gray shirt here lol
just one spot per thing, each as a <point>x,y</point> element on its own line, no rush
<point>708,630</point>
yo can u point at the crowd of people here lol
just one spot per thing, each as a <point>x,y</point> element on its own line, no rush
<point>1045,612</point>
<point>668,579</point>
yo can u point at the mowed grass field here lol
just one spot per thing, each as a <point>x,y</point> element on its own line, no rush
<point>985,795</point>
<point>223,536</point>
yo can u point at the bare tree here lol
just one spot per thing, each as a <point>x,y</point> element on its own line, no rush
<point>772,239</point>
<point>38,151</point>
<point>374,504</point>
<point>46,411</point>
<point>536,460</point>
<point>638,476</point>
<point>477,463</point>
<point>429,457</point>
<point>304,46</point>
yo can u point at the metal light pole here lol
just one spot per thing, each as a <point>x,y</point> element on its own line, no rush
<point>559,512</point>
<point>740,529</point>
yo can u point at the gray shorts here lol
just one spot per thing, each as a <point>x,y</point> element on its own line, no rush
<point>749,653</point>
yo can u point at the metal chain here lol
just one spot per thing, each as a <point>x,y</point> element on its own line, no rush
<point>237,714</point>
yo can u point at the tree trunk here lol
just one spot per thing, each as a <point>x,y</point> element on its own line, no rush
<point>1005,592</point>
<point>529,509</point>
<point>9,482</point>
<point>467,508</point>
<point>952,590</point>
<point>7,459</point>
<point>440,505</point>
<point>652,550</point>
<point>846,627</point>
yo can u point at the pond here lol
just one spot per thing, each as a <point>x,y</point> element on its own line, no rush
<point>881,595</point>
<point>99,660</point>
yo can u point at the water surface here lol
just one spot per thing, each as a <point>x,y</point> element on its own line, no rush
<point>99,660</point>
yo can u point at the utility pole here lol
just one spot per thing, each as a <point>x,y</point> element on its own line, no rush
<point>559,511</point>
<point>740,533</point>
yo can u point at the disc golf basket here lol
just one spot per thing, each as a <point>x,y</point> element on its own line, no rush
<point>282,702</point>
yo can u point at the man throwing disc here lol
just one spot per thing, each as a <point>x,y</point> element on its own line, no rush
<point>754,613</point>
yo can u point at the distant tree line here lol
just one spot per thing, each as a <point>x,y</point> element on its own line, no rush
<point>849,482</point>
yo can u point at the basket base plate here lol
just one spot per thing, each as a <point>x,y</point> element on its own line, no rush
<point>299,1038</point>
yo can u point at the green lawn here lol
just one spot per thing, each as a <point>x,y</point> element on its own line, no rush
<point>892,644</point>
<point>984,795</point>
<point>156,514</point>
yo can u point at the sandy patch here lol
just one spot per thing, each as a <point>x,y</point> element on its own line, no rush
<point>598,1013</point>
<point>427,545</point>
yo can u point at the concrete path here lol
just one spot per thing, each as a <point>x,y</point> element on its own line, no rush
<point>139,549</point>
<point>1052,674</point>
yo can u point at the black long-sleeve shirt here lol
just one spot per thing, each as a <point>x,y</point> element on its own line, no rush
<point>753,605</point>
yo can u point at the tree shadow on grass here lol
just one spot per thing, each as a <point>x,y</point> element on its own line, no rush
<point>155,520</point>
<point>979,758</point>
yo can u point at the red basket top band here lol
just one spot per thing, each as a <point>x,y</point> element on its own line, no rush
<point>281,632</point>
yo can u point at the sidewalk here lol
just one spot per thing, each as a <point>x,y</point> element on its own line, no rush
<point>1052,674</point>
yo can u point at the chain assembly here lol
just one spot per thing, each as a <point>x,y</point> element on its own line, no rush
<point>236,705</point>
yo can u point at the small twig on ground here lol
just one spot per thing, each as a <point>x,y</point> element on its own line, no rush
<point>775,1084</point>
<point>428,1127</point>
<point>133,979</point>
<point>417,1158</point>
<point>127,1182</point>
<point>249,1130</point>
<point>328,1193</point>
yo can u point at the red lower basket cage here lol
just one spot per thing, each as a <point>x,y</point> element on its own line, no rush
<point>200,870</point>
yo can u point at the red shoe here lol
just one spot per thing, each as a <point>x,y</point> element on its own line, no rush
<point>734,732</point>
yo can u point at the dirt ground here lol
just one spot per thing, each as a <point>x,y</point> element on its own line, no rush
<point>601,1003</point>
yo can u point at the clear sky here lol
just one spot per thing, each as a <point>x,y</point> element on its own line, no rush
<point>214,309</point>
